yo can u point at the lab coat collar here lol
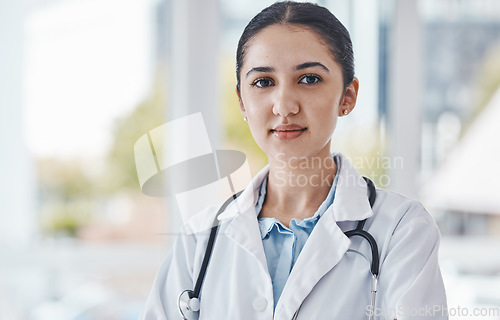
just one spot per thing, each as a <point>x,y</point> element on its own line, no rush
<point>351,196</point>
<point>245,203</point>
<point>350,202</point>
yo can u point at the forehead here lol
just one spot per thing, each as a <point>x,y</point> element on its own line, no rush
<point>286,45</point>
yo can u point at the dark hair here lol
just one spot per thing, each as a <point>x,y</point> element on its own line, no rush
<point>309,15</point>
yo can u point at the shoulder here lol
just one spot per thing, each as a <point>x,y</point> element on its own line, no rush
<point>391,206</point>
<point>400,222</point>
<point>201,222</point>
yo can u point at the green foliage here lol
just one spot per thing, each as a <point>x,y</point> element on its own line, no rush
<point>65,179</point>
<point>72,189</point>
<point>66,190</point>
<point>66,218</point>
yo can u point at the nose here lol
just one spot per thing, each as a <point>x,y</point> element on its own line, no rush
<point>285,102</point>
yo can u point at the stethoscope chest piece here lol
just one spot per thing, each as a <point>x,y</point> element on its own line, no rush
<point>187,302</point>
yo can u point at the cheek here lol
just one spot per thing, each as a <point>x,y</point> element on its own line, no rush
<point>326,109</point>
<point>258,115</point>
<point>326,116</point>
<point>257,107</point>
<point>259,133</point>
<point>248,98</point>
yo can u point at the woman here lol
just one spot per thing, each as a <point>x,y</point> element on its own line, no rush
<point>281,251</point>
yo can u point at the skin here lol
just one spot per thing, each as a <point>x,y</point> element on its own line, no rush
<point>291,92</point>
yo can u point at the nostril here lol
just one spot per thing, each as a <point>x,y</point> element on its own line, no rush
<point>285,111</point>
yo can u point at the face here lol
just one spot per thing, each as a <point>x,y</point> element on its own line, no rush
<point>291,91</point>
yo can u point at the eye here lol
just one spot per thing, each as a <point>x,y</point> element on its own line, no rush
<point>310,79</point>
<point>263,83</point>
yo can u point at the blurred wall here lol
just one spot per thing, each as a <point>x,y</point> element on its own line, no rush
<point>17,195</point>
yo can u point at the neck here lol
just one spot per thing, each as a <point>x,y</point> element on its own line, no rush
<point>297,186</point>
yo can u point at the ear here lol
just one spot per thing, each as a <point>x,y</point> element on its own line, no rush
<point>348,101</point>
<point>242,107</point>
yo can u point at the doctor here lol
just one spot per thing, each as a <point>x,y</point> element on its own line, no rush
<point>281,251</point>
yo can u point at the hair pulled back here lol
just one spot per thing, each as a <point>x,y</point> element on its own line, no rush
<point>312,16</point>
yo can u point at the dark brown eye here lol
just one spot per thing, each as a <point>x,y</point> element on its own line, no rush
<point>310,79</point>
<point>263,83</point>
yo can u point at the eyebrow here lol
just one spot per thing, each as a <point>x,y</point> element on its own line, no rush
<point>310,65</point>
<point>301,66</point>
<point>260,69</point>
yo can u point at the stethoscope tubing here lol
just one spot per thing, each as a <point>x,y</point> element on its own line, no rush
<point>210,245</point>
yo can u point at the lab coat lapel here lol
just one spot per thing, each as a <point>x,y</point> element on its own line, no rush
<point>243,227</point>
<point>327,244</point>
<point>244,231</point>
<point>323,250</point>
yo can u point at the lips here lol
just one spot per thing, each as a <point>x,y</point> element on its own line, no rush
<point>288,131</point>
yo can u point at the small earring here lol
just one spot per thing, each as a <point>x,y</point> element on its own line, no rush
<point>245,118</point>
<point>346,112</point>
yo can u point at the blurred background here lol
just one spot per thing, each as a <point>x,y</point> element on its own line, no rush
<point>81,81</point>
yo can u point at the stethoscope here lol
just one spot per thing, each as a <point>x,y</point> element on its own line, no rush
<point>192,304</point>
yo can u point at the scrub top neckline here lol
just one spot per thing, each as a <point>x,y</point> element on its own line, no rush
<point>266,224</point>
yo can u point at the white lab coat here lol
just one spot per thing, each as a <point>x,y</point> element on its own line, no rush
<point>331,278</point>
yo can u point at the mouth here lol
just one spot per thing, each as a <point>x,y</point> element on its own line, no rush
<point>287,131</point>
